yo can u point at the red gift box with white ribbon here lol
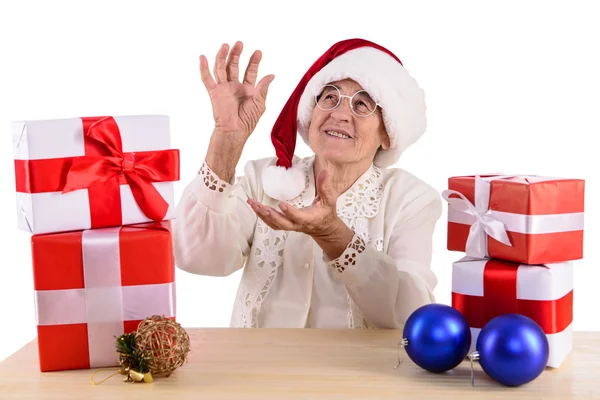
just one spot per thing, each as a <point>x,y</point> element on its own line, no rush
<point>93,172</point>
<point>486,288</point>
<point>94,285</point>
<point>525,219</point>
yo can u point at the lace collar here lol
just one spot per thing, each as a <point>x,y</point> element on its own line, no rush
<point>360,200</point>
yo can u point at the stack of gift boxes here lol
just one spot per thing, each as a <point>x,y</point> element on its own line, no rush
<point>96,194</point>
<point>520,235</point>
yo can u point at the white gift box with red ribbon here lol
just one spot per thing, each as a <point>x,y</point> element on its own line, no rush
<point>93,172</point>
<point>486,288</point>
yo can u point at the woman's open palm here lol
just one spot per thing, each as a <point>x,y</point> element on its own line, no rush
<point>237,106</point>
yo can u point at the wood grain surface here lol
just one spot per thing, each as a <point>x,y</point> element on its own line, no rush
<point>301,364</point>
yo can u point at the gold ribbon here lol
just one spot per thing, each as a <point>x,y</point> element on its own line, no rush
<point>131,376</point>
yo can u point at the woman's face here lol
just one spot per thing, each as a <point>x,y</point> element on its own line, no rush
<point>341,136</point>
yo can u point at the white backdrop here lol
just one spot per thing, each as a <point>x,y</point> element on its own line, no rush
<point>511,87</point>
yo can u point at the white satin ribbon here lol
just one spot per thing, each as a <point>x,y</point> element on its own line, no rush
<point>68,306</point>
<point>103,296</point>
<point>485,223</point>
<point>104,303</point>
<point>526,224</point>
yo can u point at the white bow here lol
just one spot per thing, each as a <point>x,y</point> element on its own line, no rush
<point>485,223</point>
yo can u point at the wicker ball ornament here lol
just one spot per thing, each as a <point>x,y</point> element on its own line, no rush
<point>166,341</point>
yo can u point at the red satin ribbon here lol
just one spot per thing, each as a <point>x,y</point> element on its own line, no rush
<point>500,297</point>
<point>102,169</point>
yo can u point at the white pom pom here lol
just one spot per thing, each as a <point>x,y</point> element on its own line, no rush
<point>283,184</point>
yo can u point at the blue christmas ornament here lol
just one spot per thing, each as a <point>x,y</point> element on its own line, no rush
<point>436,337</point>
<point>512,349</point>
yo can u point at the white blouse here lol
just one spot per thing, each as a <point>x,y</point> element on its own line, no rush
<point>379,280</point>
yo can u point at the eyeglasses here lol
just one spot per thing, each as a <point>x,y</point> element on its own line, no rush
<point>361,104</point>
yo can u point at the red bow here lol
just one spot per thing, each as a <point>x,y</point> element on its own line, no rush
<point>101,171</point>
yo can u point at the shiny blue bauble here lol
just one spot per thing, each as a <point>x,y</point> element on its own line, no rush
<point>438,337</point>
<point>513,349</point>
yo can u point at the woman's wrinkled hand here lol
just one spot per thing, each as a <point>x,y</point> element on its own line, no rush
<point>237,106</point>
<point>319,220</point>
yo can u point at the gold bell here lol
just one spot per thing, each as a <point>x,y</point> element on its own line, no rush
<point>136,376</point>
<point>148,377</point>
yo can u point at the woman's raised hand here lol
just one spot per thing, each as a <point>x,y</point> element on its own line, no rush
<point>237,106</point>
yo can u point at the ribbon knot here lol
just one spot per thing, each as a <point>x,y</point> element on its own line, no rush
<point>128,164</point>
<point>105,167</point>
<point>485,223</point>
<point>479,217</point>
<point>486,218</point>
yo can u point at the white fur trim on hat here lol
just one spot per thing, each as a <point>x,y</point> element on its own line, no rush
<point>388,83</point>
<point>283,184</point>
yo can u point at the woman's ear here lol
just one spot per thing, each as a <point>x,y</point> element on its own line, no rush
<point>385,141</point>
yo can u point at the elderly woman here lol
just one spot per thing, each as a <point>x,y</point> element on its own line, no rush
<point>334,240</point>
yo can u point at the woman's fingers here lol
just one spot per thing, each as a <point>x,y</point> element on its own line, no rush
<point>280,220</point>
<point>272,217</point>
<point>233,61</point>
<point>207,79</point>
<point>262,88</point>
<point>219,70</point>
<point>293,214</point>
<point>227,68</point>
<point>252,69</point>
<point>325,188</point>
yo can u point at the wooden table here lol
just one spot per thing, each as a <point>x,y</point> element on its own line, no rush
<point>301,364</point>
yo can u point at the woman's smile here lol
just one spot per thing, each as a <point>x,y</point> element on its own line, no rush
<point>337,135</point>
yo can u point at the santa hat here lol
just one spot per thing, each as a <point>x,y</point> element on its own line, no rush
<point>381,74</point>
